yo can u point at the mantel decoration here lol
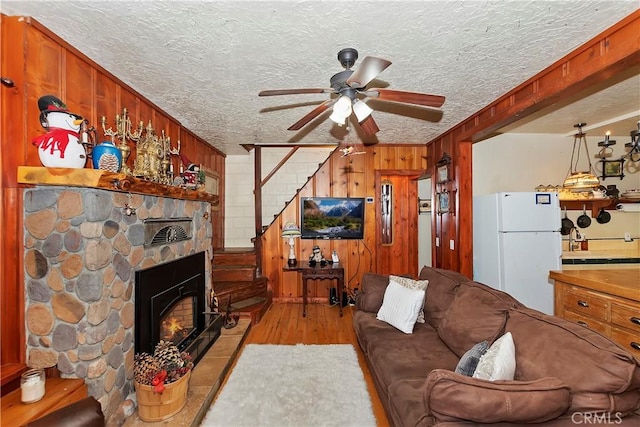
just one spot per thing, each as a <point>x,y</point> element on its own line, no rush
<point>291,231</point>
<point>60,147</point>
<point>191,174</point>
<point>153,152</point>
<point>161,381</point>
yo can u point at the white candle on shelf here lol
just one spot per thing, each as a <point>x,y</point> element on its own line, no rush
<point>32,385</point>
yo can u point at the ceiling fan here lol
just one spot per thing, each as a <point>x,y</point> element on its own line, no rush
<point>350,88</point>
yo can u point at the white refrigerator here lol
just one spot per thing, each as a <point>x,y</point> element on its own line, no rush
<point>516,242</point>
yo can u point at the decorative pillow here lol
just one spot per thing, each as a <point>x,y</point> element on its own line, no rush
<point>420,285</point>
<point>400,306</point>
<point>469,360</point>
<point>499,362</point>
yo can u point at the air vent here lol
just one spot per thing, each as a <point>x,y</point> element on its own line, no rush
<point>165,231</point>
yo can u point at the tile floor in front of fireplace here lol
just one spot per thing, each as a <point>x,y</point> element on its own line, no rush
<point>205,380</point>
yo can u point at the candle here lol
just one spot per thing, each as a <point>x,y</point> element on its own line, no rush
<point>32,385</point>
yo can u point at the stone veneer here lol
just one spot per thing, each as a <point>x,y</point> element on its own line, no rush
<point>80,254</point>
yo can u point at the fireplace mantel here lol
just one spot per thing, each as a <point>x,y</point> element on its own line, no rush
<point>99,179</point>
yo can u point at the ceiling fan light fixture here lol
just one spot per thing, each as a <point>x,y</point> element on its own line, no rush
<point>341,110</point>
<point>361,110</point>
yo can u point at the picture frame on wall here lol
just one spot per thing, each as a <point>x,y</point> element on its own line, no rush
<point>442,174</point>
<point>443,203</point>
<point>612,168</point>
<point>443,169</point>
<point>424,206</point>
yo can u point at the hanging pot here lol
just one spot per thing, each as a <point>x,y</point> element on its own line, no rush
<point>603,217</point>
<point>583,220</point>
<point>567,224</point>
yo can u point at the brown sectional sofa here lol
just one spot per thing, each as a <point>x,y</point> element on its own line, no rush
<point>565,374</point>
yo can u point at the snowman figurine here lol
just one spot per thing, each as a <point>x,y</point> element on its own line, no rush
<point>60,146</point>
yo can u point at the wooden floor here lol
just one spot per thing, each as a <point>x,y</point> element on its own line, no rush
<point>284,324</point>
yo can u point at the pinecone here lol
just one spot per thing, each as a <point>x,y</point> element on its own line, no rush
<point>168,356</point>
<point>145,367</point>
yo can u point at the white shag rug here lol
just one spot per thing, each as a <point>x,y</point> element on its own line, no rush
<point>294,385</point>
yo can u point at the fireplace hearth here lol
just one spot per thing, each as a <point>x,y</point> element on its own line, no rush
<point>171,305</point>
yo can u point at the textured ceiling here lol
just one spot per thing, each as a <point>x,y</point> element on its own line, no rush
<point>204,62</point>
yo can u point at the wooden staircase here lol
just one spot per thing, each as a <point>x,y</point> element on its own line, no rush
<point>234,279</point>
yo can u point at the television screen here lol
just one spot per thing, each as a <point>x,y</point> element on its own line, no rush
<point>332,218</point>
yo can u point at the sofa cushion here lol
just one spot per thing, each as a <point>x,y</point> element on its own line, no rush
<point>469,361</point>
<point>454,397</point>
<point>420,285</point>
<point>372,292</point>
<point>393,355</point>
<point>499,361</point>
<point>400,306</point>
<point>474,315</point>
<point>443,285</point>
<point>598,371</point>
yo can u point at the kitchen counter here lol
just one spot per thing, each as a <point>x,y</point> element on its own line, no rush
<point>601,257</point>
<point>622,282</point>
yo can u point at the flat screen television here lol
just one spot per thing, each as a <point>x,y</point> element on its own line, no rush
<point>332,218</point>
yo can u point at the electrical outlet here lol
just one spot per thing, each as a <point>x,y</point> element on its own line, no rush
<point>627,237</point>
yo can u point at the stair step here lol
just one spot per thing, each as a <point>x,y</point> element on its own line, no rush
<point>239,290</point>
<point>252,308</point>
<point>234,274</point>
<point>239,256</point>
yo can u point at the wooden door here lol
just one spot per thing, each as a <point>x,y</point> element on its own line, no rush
<point>397,223</point>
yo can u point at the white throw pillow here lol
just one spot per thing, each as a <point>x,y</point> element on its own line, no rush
<point>400,306</point>
<point>499,362</point>
<point>420,285</point>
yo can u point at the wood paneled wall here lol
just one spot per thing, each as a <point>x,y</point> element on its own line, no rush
<point>351,176</point>
<point>40,63</point>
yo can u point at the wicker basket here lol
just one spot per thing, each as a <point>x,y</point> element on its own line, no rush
<point>154,406</point>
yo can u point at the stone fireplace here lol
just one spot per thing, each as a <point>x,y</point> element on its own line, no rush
<point>81,256</point>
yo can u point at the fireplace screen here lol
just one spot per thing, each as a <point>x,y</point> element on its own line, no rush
<point>178,323</point>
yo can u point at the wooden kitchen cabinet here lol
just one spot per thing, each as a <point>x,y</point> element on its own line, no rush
<point>606,301</point>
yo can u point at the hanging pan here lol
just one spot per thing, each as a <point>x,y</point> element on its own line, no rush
<point>567,224</point>
<point>603,216</point>
<point>583,220</point>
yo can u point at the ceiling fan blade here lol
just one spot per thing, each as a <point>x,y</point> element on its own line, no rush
<point>406,97</point>
<point>369,126</point>
<point>368,69</point>
<point>312,114</point>
<point>294,91</point>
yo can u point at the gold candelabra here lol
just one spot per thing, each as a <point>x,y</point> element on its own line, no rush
<point>122,133</point>
<point>153,153</point>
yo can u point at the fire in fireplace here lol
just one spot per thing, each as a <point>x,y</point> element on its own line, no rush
<point>178,323</point>
<point>171,304</point>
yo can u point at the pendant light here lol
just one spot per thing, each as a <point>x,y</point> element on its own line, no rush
<point>580,180</point>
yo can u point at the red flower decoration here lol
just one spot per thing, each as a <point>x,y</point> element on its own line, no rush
<point>158,381</point>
